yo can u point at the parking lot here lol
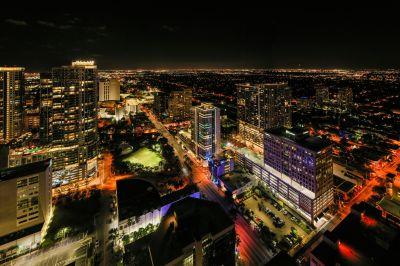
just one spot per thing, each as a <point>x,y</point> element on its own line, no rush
<point>279,220</point>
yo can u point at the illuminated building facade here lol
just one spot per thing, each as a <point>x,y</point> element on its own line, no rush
<point>140,203</point>
<point>46,108</point>
<point>12,93</point>
<point>32,102</point>
<point>160,105</point>
<point>261,107</point>
<point>179,104</point>
<point>321,96</point>
<point>300,170</point>
<point>25,195</point>
<point>73,130</point>
<point>345,99</point>
<point>109,90</point>
<point>206,131</point>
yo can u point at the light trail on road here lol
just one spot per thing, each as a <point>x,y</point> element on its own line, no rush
<point>251,249</point>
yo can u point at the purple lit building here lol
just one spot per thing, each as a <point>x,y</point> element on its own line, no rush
<point>299,170</point>
<point>220,166</point>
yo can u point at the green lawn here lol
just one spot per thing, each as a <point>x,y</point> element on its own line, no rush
<point>145,157</point>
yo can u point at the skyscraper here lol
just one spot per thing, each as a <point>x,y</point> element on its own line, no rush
<point>345,99</point>
<point>206,130</point>
<point>321,95</point>
<point>300,170</point>
<point>179,104</point>
<point>109,90</point>
<point>32,102</point>
<point>187,102</point>
<point>160,104</point>
<point>74,121</point>
<point>11,103</point>
<point>46,108</point>
<point>262,107</point>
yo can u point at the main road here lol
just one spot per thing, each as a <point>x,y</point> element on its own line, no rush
<point>251,249</point>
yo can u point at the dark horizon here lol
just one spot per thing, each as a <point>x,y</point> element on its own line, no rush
<point>123,36</point>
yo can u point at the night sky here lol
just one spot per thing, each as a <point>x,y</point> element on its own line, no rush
<point>130,36</point>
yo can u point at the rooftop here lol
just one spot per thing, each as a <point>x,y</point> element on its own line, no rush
<point>235,179</point>
<point>186,221</point>
<point>138,196</point>
<point>23,170</point>
<point>343,185</point>
<point>301,137</point>
<point>282,258</point>
<point>390,205</point>
<point>5,69</point>
<point>135,196</point>
<point>362,238</point>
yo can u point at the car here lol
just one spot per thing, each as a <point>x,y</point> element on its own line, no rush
<point>289,241</point>
<point>300,260</point>
<point>278,222</point>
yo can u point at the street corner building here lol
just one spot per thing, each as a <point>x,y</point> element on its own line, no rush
<point>25,196</point>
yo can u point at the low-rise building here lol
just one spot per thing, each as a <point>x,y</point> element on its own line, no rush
<point>390,203</point>
<point>194,232</point>
<point>140,204</point>
<point>236,183</point>
<point>364,237</point>
<point>221,165</point>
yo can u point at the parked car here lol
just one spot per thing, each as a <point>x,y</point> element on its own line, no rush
<point>278,222</point>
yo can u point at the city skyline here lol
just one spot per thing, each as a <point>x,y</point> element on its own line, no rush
<point>225,36</point>
<point>236,135</point>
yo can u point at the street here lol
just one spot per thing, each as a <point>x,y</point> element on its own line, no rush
<point>251,249</point>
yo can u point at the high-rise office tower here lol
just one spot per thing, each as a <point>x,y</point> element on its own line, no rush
<point>109,90</point>
<point>11,103</point>
<point>262,107</point>
<point>46,108</point>
<point>300,170</point>
<point>321,95</point>
<point>206,130</point>
<point>32,102</point>
<point>160,104</point>
<point>179,104</point>
<point>345,99</point>
<point>74,137</point>
<point>187,102</point>
<point>25,196</point>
